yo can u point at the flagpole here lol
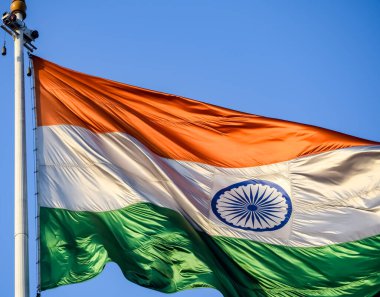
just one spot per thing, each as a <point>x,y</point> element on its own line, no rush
<point>13,24</point>
<point>18,8</point>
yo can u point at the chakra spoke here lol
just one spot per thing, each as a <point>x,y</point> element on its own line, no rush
<point>266,216</point>
<point>232,205</point>
<point>235,212</point>
<point>262,195</point>
<point>272,208</point>
<point>246,214</point>
<point>271,201</point>
<point>256,195</point>
<point>264,200</point>
<point>257,217</point>
<point>248,217</point>
<point>240,214</point>
<point>270,212</point>
<point>250,195</point>
<point>246,197</point>
<point>238,198</point>
<point>253,219</point>
<point>263,218</point>
<point>236,204</point>
<point>242,197</point>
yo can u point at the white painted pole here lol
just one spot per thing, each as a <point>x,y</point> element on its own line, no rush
<point>21,201</point>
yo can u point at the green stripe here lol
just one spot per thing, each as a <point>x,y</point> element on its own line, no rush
<point>157,248</point>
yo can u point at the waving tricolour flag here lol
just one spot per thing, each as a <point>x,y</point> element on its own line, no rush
<point>183,194</point>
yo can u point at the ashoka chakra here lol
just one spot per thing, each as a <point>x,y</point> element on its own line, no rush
<point>255,205</point>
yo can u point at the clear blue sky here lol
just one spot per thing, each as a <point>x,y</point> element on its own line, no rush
<point>316,62</point>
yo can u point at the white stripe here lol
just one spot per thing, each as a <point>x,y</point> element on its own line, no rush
<point>335,195</point>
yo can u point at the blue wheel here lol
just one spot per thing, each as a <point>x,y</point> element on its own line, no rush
<point>254,205</point>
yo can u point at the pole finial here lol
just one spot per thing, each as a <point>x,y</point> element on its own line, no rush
<point>19,6</point>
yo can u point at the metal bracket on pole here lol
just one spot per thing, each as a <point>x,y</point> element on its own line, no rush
<point>12,25</point>
<point>7,30</point>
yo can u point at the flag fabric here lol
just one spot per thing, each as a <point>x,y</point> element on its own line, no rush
<point>183,194</point>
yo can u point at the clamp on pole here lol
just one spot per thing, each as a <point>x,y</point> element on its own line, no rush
<point>14,26</point>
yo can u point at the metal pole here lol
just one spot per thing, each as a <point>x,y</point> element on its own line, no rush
<point>21,202</point>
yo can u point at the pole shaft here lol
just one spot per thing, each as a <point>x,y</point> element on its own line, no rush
<point>21,202</point>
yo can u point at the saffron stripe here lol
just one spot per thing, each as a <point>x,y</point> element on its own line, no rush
<point>175,127</point>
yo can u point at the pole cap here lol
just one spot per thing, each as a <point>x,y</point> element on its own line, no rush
<point>19,6</point>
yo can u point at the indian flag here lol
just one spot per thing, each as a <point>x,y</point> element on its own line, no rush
<point>183,194</point>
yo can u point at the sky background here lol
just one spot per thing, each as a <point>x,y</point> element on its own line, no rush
<point>315,62</point>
